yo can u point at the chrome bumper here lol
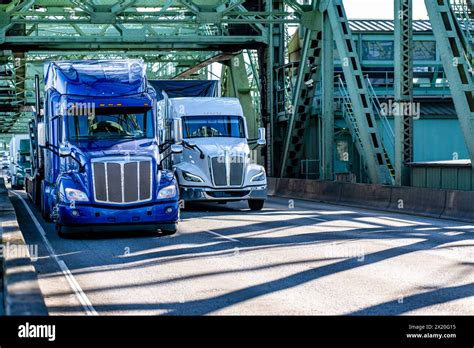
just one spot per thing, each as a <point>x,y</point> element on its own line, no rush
<point>195,194</point>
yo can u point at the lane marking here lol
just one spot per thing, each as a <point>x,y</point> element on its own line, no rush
<point>316,219</point>
<point>222,236</point>
<point>83,299</point>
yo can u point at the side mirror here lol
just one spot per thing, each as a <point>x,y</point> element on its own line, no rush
<point>177,149</point>
<point>262,140</point>
<point>161,135</point>
<point>178,130</point>
<point>64,151</point>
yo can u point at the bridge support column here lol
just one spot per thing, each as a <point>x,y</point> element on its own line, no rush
<point>403,90</point>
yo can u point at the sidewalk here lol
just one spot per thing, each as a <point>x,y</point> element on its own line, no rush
<point>21,294</point>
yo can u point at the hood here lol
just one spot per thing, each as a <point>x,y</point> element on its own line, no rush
<point>113,147</point>
<point>220,146</point>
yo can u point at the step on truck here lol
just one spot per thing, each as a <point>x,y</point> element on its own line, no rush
<point>96,156</point>
<point>215,165</point>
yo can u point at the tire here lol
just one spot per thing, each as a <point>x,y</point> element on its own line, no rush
<point>59,229</point>
<point>45,213</point>
<point>169,230</point>
<point>256,204</point>
<point>62,231</point>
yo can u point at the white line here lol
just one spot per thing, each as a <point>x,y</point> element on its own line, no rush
<point>221,236</point>
<point>86,303</point>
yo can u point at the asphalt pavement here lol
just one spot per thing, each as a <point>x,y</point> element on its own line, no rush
<point>293,258</point>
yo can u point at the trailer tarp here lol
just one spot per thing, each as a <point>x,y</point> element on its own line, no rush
<point>96,77</point>
<point>186,88</point>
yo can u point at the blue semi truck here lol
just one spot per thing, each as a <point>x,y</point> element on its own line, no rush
<point>96,157</point>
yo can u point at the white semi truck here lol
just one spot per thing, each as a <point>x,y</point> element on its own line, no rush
<point>20,161</point>
<point>216,162</point>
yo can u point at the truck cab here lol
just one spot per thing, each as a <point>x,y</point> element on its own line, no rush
<point>216,162</point>
<point>99,167</point>
<point>20,161</point>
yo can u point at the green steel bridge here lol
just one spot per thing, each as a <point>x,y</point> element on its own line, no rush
<point>301,69</point>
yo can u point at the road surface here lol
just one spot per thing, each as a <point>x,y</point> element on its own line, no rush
<point>292,258</point>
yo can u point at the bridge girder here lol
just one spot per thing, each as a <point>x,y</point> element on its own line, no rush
<point>172,36</point>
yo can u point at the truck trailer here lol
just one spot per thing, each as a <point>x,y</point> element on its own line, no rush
<point>215,165</point>
<point>19,160</point>
<point>96,154</point>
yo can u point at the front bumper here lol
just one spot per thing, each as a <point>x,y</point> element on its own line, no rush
<point>200,194</point>
<point>163,213</point>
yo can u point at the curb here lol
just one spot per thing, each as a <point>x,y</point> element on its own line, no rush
<point>21,292</point>
<point>433,203</point>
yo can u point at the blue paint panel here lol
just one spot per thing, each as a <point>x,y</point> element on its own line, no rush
<point>438,140</point>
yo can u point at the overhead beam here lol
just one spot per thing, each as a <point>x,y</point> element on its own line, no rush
<point>216,59</point>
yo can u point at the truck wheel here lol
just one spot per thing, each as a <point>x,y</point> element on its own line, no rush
<point>62,231</point>
<point>45,213</point>
<point>256,204</point>
<point>169,230</point>
<point>59,229</point>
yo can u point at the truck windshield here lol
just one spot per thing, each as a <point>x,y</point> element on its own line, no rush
<point>112,123</point>
<point>213,126</point>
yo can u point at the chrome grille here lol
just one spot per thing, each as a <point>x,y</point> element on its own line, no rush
<point>219,171</point>
<point>227,170</point>
<point>122,182</point>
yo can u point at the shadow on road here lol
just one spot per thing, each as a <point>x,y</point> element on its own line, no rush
<point>190,246</point>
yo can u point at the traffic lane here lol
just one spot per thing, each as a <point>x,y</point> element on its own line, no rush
<point>50,277</point>
<point>221,213</point>
<point>269,273</point>
<point>95,252</point>
<point>275,222</point>
<point>405,262</point>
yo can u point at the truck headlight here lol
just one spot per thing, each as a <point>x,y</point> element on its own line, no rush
<point>167,192</point>
<point>258,177</point>
<point>74,195</point>
<point>191,177</point>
